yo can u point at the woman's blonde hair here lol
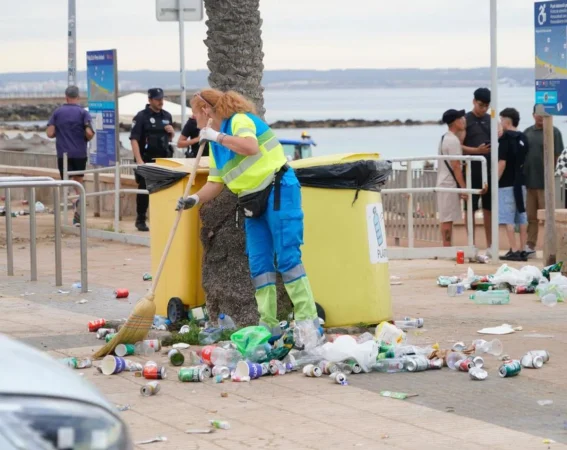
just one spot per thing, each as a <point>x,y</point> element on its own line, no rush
<point>224,104</point>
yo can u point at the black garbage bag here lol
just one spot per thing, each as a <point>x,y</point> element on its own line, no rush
<point>158,178</point>
<point>367,174</point>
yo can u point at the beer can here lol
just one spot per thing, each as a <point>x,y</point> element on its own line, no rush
<point>460,257</point>
<point>478,361</point>
<point>94,325</point>
<point>276,367</point>
<point>151,388</point>
<point>465,365</point>
<point>417,364</point>
<point>328,367</point>
<point>206,370</point>
<point>354,366</point>
<point>524,289</point>
<point>121,293</point>
<point>124,349</point>
<point>478,374</point>
<point>543,353</point>
<point>176,358</point>
<point>103,332</point>
<point>109,337</point>
<point>339,378</point>
<point>532,361</point>
<point>154,372</point>
<point>70,362</point>
<point>312,371</point>
<point>222,371</point>
<point>153,343</point>
<point>190,374</point>
<point>510,369</point>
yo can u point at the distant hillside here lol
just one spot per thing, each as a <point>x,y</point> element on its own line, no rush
<point>285,79</point>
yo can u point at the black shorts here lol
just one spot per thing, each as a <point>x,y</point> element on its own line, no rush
<point>486,201</point>
<point>73,164</point>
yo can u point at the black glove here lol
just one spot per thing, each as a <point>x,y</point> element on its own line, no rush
<point>187,203</point>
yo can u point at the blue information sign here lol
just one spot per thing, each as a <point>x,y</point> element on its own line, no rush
<point>103,106</point>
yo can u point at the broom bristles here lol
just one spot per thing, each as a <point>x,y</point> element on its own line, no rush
<point>136,327</point>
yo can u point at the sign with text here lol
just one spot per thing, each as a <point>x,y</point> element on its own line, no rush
<point>550,19</point>
<point>102,87</point>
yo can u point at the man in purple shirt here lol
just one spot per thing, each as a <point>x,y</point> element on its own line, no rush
<point>71,126</point>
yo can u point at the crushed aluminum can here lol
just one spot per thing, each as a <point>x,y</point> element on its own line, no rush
<point>312,371</point>
<point>84,363</point>
<point>132,366</point>
<point>478,361</point>
<point>459,346</point>
<point>543,353</point>
<point>265,368</point>
<point>184,329</point>
<point>510,369</point>
<point>339,378</point>
<point>435,364</point>
<point>149,389</point>
<point>478,374</point>
<point>465,365</point>
<point>328,368</point>
<point>222,371</point>
<point>207,372</point>
<point>532,361</point>
<point>94,325</point>
<point>417,364</point>
<point>101,333</point>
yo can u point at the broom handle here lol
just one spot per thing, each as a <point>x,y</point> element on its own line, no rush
<point>179,213</point>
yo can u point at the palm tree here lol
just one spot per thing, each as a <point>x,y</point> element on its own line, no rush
<point>234,41</point>
<point>235,62</point>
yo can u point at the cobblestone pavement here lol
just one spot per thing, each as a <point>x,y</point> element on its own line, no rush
<point>294,411</point>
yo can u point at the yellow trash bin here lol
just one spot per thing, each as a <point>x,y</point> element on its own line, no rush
<point>345,252</point>
<point>182,274</point>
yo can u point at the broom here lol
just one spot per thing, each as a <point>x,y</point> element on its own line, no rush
<point>140,321</point>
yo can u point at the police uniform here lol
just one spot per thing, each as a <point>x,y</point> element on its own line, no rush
<point>278,226</point>
<point>148,129</point>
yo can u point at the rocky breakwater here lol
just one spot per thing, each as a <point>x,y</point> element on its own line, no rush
<point>350,123</point>
<point>26,113</point>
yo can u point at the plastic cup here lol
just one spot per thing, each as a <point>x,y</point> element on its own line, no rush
<point>453,359</point>
<point>248,369</point>
<point>112,365</point>
<point>124,349</point>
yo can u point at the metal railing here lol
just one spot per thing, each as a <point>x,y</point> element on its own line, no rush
<point>404,217</point>
<point>97,193</point>
<point>31,183</point>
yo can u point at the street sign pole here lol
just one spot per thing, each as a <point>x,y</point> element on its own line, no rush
<point>180,4</point>
<point>71,44</point>
<point>494,129</point>
<point>550,241</point>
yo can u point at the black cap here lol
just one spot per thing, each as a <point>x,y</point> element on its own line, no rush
<point>451,115</point>
<point>482,95</point>
<point>155,93</point>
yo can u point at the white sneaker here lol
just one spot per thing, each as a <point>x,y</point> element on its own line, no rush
<point>488,253</point>
<point>530,252</point>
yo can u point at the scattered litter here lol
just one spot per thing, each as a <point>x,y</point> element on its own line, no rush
<point>121,293</point>
<point>77,285</point>
<point>27,294</point>
<point>537,335</point>
<point>385,436</point>
<point>395,281</point>
<point>200,431</point>
<point>147,277</point>
<point>224,394</point>
<point>545,402</point>
<point>502,329</point>
<point>61,291</point>
<point>397,395</point>
<point>151,388</point>
<point>123,407</point>
<point>151,441</point>
<point>82,301</point>
<point>220,424</point>
<point>548,441</point>
<point>39,207</point>
<point>181,346</point>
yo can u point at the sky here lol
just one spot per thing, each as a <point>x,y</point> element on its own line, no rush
<point>297,34</point>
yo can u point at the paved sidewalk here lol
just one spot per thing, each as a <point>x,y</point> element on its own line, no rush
<point>298,412</point>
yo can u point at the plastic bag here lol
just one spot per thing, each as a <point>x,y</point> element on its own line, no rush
<point>533,272</point>
<point>249,338</point>
<point>560,291</point>
<point>346,348</point>
<point>158,178</point>
<point>513,277</point>
<point>367,174</point>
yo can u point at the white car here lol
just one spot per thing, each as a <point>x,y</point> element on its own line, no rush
<point>46,406</point>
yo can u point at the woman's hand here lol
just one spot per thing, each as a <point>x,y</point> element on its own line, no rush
<point>208,134</point>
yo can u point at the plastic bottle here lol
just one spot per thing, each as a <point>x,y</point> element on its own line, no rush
<point>258,354</point>
<point>408,323</point>
<point>142,349</point>
<point>389,334</point>
<point>209,336</point>
<point>364,338</point>
<point>549,299</point>
<point>226,322</point>
<point>494,347</point>
<point>405,350</point>
<point>393,365</point>
<point>225,357</point>
<point>220,424</point>
<point>498,297</point>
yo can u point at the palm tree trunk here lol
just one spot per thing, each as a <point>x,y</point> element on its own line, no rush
<point>234,41</point>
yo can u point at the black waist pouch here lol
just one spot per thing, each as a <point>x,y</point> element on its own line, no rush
<point>255,204</point>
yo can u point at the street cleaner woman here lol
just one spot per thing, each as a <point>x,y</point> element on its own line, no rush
<point>246,156</point>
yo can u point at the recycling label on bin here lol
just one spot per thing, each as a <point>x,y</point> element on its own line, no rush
<point>376,233</point>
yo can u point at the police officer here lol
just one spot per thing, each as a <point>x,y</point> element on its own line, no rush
<point>152,132</point>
